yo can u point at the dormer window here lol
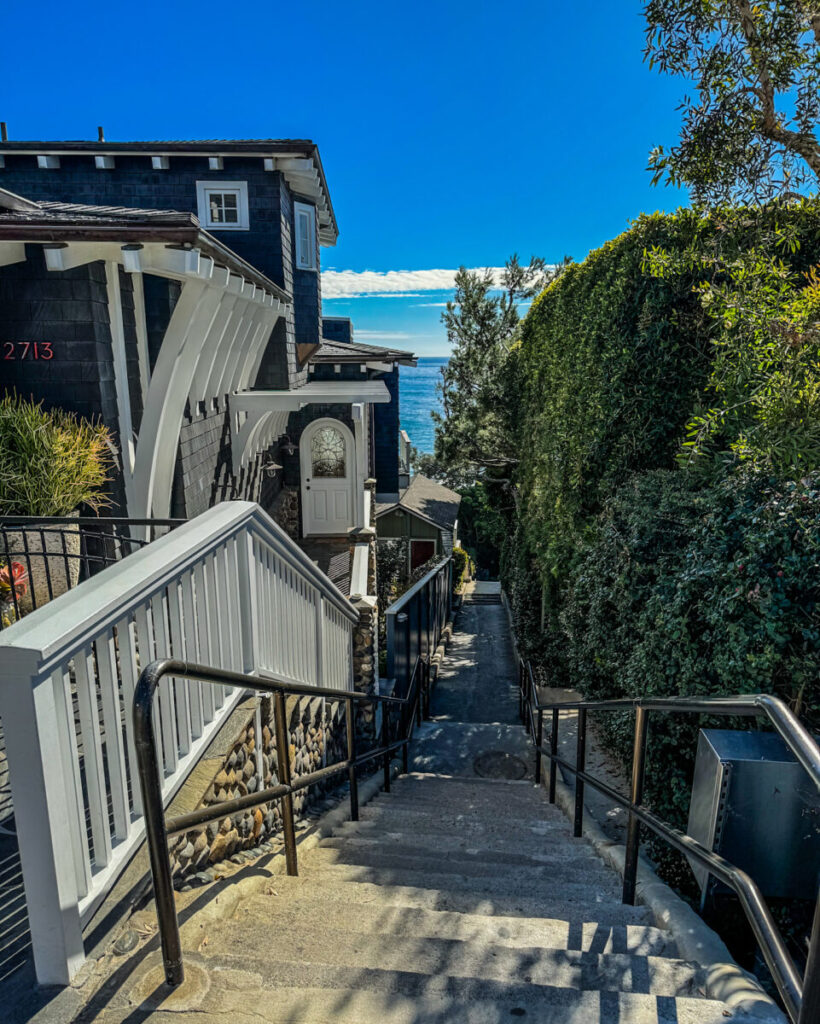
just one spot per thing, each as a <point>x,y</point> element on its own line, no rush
<point>223,205</point>
<point>305,222</point>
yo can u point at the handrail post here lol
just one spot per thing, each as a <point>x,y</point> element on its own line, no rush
<point>426,678</point>
<point>539,739</point>
<point>633,838</point>
<point>580,765</point>
<point>156,835</point>
<point>350,713</point>
<point>283,768</point>
<point>386,744</point>
<point>553,755</point>
<point>810,1005</point>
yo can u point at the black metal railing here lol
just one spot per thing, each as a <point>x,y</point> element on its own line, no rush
<point>416,621</point>
<point>801,996</point>
<point>399,718</point>
<point>42,557</point>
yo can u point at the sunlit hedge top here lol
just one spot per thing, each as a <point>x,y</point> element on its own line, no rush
<point>625,357</point>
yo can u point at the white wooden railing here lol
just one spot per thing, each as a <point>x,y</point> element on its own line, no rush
<point>229,589</point>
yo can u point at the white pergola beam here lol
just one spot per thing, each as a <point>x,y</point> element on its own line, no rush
<point>12,252</point>
<point>165,403</point>
<point>332,392</point>
<point>77,254</point>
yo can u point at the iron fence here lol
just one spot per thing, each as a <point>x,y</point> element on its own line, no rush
<point>42,557</point>
<point>416,622</point>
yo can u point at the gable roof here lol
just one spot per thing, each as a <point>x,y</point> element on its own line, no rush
<point>428,500</point>
<point>354,352</point>
<point>289,153</point>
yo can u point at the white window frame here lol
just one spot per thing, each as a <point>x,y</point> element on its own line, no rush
<point>305,260</point>
<point>203,191</point>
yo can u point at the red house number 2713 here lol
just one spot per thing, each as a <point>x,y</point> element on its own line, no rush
<point>27,350</point>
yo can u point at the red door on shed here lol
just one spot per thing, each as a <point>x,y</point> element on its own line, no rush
<point>420,552</point>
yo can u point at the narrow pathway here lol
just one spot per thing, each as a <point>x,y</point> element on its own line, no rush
<point>474,705</point>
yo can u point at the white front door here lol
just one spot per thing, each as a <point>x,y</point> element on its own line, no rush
<point>326,456</point>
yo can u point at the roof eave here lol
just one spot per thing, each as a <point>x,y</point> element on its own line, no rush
<point>186,235</point>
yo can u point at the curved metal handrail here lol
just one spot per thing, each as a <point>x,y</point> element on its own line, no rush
<point>800,996</point>
<point>158,829</point>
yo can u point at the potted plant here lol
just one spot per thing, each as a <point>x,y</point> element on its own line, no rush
<point>51,463</point>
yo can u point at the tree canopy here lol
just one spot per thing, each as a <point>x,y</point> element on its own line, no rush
<point>750,130</point>
<point>474,433</point>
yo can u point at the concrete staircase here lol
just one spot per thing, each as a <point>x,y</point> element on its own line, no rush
<point>452,900</point>
<point>456,899</point>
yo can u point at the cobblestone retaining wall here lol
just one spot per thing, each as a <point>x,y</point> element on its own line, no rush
<point>318,736</point>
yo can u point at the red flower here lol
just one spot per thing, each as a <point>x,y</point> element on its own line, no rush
<point>13,576</point>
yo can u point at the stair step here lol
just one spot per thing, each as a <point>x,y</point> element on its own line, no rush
<point>575,903</point>
<point>336,959</point>
<point>510,810</point>
<point>568,886</point>
<point>583,869</point>
<point>534,838</point>
<point>385,920</point>
<point>511,853</point>
<point>462,788</point>
<point>450,817</point>
<point>424,822</point>
<point>416,999</point>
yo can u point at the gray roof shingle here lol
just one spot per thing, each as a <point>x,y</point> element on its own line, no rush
<point>355,352</point>
<point>428,499</point>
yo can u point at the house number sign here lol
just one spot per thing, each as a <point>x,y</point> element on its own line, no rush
<point>27,350</point>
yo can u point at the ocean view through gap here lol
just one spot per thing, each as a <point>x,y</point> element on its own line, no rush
<point>418,397</point>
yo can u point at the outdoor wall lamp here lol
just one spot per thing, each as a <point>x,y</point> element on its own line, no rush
<point>288,447</point>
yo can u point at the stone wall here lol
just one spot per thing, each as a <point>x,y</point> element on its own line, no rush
<point>317,735</point>
<point>285,512</point>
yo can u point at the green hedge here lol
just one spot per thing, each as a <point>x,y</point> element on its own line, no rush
<point>689,589</point>
<point>628,571</point>
<point>614,361</point>
<point>460,562</point>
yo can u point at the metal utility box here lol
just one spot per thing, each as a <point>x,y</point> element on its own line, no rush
<point>754,804</point>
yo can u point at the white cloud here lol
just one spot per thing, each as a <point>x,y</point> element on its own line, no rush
<point>383,335</point>
<point>338,284</point>
<point>429,305</point>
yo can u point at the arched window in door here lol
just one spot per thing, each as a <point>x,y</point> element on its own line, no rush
<point>327,453</point>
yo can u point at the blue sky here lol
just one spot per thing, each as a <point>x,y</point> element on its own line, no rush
<point>451,132</point>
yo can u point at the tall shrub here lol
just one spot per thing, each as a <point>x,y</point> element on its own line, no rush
<point>693,587</point>
<point>50,462</point>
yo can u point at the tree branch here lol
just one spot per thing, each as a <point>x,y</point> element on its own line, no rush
<point>804,144</point>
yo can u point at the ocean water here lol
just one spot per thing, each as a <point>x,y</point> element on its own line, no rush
<point>418,398</point>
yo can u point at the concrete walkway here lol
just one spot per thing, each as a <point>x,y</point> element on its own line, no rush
<point>474,704</point>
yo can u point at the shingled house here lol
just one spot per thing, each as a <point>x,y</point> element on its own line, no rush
<point>173,290</point>
<point>424,515</point>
